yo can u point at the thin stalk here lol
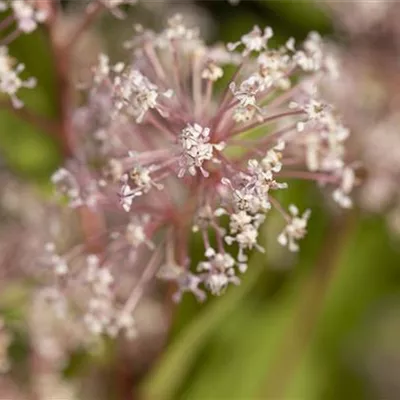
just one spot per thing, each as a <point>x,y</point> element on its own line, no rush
<point>91,222</point>
<point>148,273</point>
<point>265,120</point>
<point>91,14</point>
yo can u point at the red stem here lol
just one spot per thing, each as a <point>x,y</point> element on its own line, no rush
<point>92,222</point>
<point>91,14</point>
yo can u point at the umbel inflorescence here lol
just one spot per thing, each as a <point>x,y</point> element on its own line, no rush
<point>154,157</point>
<point>24,18</point>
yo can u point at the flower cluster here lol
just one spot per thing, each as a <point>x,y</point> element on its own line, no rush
<point>25,17</point>
<point>155,159</point>
<point>372,39</point>
<point>26,14</point>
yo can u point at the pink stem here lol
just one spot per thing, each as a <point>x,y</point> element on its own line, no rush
<point>92,13</point>
<point>264,121</point>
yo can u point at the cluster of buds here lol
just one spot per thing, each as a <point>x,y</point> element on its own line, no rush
<point>158,156</point>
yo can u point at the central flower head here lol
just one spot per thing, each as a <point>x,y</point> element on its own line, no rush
<point>175,159</point>
<point>196,149</point>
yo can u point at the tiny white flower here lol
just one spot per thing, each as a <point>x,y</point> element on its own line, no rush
<point>113,6</point>
<point>239,220</point>
<point>212,72</point>
<point>255,40</point>
<point>218,272</point>
<point>27,15</point>
<point>195,149</point>
<point>10,81</point>
<point>126,197</point>
<point>295,230</point>
<point>341,194</point>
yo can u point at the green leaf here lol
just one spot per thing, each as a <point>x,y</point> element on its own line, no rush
<point>366,272</point>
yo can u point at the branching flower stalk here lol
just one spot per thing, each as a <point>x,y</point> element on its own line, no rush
<point>158,152</point>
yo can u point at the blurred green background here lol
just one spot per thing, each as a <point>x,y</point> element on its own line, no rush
<point>323,325</point>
